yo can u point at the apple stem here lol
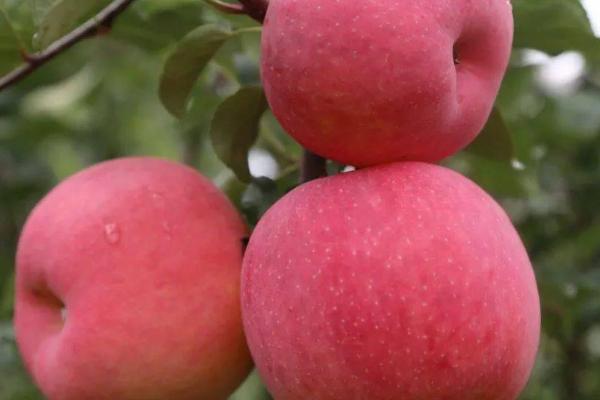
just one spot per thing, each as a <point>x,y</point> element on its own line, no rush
<point>313,167</point>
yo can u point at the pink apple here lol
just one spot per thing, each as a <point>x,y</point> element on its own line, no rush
<point>404,281</point>
<point>370,82</point>
<point>128,286</point>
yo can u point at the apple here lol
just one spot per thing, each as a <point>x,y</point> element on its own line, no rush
<point>405,281</point>
<point>128,286</point>
<point>371,82</point>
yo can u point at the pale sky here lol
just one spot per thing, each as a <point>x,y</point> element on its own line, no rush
<point>593,9</point>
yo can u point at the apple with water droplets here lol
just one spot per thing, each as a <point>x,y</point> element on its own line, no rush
<point>128,286</point>
<point>404,281</point>
<point>374,81</point>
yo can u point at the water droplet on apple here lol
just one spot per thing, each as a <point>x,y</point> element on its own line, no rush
<point>112,233</point>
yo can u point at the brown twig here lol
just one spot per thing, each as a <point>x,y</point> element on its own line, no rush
<point>257,9</point>
<point>101,23</point>
<point>228,8</point>
<point>313,167</point>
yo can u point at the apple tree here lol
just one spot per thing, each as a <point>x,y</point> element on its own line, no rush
<point>86,81</point>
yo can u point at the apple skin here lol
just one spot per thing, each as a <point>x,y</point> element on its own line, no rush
<point>145,257</point>
<point>371,82</point>
<point>404,281</point>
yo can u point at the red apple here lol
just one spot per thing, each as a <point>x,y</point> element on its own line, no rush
<point>404,281</point>
<point>128,286</point>
<point>370,82</point>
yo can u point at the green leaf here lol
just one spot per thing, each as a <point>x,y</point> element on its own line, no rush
<point>554,26</point>
<point>184,65</point>
<point>258,197</point>
<point>576,249</point>
<point>39,9</point>
<point>6,26</point>
<point>153,30</point>
<point>10,44</point>
<point>252,388</point>
<point>234,128</point>
<point>495,141</point>
<point>63,17</point>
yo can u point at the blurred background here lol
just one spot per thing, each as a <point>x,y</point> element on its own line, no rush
<point>539,155</point>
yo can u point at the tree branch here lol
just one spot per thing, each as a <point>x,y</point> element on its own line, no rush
<point>101,23</point>
<point>228,8</point>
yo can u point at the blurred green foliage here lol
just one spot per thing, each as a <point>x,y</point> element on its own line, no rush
<point>539,155</point>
